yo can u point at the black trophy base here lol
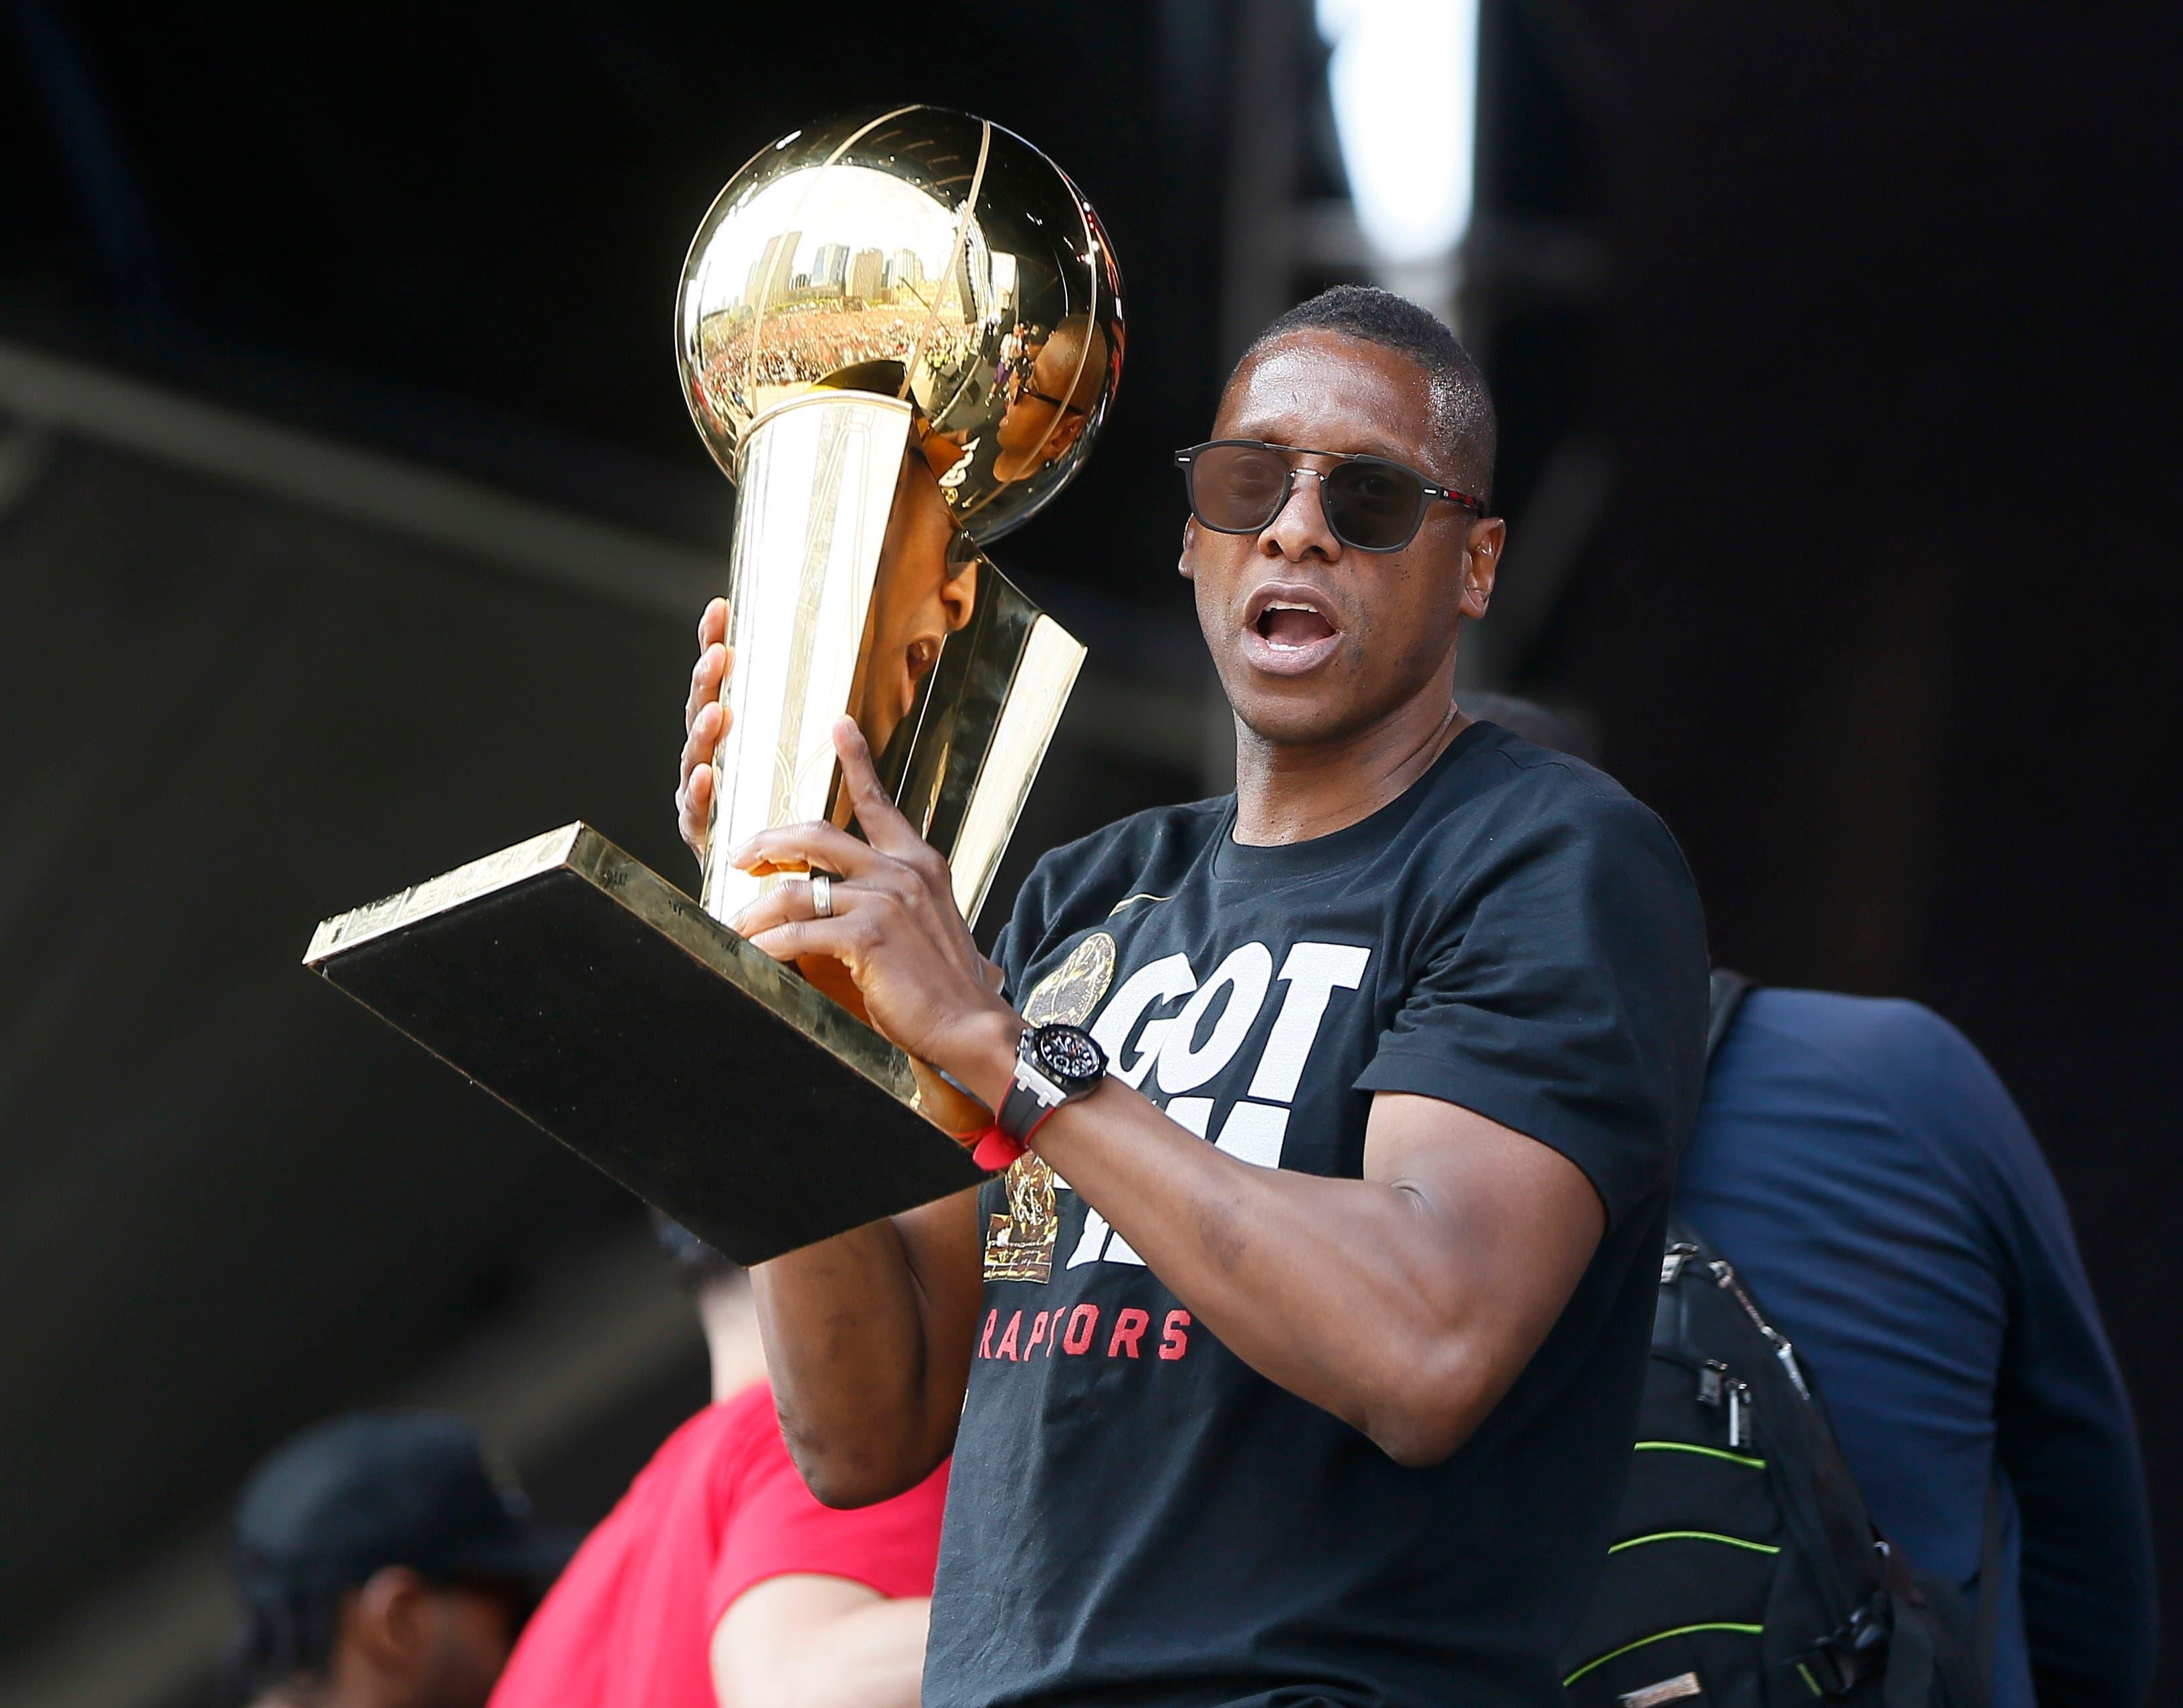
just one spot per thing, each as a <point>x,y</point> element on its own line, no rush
<point>596,999</point>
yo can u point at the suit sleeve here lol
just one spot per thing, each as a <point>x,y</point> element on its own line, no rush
<point>2064,1434</point>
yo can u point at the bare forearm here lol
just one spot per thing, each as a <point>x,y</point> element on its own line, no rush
<point>858,1345</point>
<point>1286,1268</point>
<point>873,1658</point>
<point>813,1642</point>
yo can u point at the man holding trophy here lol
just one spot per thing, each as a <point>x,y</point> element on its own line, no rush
<point>1291,1352</point>
<point>1333,1407</point>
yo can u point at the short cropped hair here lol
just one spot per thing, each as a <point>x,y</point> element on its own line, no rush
<point>1462,407</point>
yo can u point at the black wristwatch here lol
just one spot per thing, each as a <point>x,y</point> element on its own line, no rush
<point>1054,1064</point>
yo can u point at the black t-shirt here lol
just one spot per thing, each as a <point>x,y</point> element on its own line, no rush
<point>1136,1514</point>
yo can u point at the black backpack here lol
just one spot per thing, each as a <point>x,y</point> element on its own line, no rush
<point>1745,1570</point>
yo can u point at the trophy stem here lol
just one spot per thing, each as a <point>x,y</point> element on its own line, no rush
<point>820,474</point>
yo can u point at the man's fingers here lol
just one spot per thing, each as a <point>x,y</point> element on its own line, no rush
<point>801,937</point>
<point>703,740</point>
<point>706,677</point>
<point>768,911</point>
<point>795,847</point>
<point>693,748</point>
<point>793,903</point>
<point>704,721</point>
<point>882,820</point>
<point>696,800</point>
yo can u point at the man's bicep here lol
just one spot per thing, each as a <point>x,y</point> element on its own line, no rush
<point>1515,1222</point>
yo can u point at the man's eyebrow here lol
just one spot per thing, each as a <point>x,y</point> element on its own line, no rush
<point>1295,435</point>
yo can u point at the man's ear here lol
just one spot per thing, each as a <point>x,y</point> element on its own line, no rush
<point>958,594</point>
<point>1481,563</point>
<point>1182,564</point>
<point>1066,432</point>
<point>386,1619</point>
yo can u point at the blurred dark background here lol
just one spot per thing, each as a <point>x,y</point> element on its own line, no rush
<point>351,527</point>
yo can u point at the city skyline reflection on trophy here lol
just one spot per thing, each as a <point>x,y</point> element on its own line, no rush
<point>899,335</point>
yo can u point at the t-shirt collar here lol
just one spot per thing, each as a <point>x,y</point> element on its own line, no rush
<point>1316,855</point>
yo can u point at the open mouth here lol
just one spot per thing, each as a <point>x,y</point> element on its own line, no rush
<point>1288,630</point>
<point>1292,627</point>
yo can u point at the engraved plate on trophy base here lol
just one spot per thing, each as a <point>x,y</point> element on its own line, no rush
<point>596,999</point>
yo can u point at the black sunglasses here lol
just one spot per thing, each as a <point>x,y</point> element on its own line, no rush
<point>1019,388</point>
<point>1374,503</point>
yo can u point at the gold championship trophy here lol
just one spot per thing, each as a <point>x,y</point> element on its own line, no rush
<point>899,335</point>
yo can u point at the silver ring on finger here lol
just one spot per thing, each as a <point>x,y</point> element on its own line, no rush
<point>822,895</point>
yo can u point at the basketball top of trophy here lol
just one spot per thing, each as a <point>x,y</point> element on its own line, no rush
<point>926,255</point>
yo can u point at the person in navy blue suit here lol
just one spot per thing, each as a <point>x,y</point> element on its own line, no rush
<point>1863,1166</point>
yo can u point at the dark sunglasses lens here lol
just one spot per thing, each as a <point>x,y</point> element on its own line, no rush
<point>1373,505</point>
<point>1237,488</point>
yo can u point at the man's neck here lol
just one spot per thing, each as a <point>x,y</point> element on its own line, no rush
<point>1292,793</point>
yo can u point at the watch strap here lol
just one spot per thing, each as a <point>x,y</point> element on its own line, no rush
<point>1031,1097</point>
<point>1021,1110</point>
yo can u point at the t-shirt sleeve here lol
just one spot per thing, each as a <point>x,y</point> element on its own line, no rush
<point>1003,957</point>
<point>775,1526</point>
<point>1561,992</point>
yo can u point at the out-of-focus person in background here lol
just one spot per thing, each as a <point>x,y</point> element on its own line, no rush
<point>1864,1168</point>
<point>718,1578</point>
<point>381,1565</point>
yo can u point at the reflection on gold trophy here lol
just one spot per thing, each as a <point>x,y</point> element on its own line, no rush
<point>898,335</point>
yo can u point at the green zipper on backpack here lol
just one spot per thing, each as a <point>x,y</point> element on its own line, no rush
<point>1656,1637</point>
<point>1696,1536</point>
<point>1707,1452</point>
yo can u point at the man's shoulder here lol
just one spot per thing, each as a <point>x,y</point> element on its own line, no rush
<point>1883,1042</point>
<point>1158,839</point>
<point>1514,806</point>
<point>1183,825</point>
<point>1910,1070</point>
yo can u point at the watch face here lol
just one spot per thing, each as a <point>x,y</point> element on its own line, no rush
<point>1068,1055</point>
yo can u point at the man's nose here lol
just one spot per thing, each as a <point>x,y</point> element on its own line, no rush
<point>1299,527</point>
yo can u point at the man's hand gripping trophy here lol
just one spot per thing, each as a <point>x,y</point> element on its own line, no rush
<point>890,944</point>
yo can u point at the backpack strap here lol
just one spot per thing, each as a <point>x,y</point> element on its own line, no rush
<point>1910,1659</point>
<point>1985,1656</point>
<point>1728,992</point>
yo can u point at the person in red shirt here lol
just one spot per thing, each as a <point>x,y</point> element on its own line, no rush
<point>718,1581</point>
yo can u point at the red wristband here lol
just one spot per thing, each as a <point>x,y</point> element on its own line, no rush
<point>993,1150</point>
